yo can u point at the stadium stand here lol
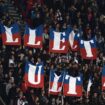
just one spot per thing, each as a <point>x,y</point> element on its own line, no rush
<point>85,15</point>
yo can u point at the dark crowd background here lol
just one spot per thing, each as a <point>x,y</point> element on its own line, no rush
<point>87,16</point>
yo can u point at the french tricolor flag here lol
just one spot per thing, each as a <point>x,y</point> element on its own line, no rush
<point>103,78</point>
<point>74,40</point>
<point>56,82</point>
<point>88,49</point>
<point>58,41</point>
<point>72,85</point>
<point>33,37</point>
<point>34,75</point>
<point>10,35</point>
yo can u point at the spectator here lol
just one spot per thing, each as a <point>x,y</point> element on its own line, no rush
<point>87,16</point>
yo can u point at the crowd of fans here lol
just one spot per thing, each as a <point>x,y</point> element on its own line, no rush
<point>87,16</point>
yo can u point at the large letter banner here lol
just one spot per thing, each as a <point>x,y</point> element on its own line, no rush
<point>74,40</point>
<point>33,37</point>
<point>103,78</point>
<point>10,35</point>
<point>56,82</point>
<point>58,41</point>
<point>34,75</point>
<point>72,86</point>
<point>88,49</point>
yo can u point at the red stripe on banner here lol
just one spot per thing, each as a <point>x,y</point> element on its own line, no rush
<point>16,35</point>
<point>83,53</point>
<point>40,85</point>
<point>58,51</point>
<point>75,46</point>
<point>26,39</point>
<point>78,90</point>
<point>55,93</point>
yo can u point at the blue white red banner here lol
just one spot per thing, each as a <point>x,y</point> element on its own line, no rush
<point>72,85</point>
<point>33,37</point>
<point>88,49</point>
<point>10,35</point>
<point>74,40</point>
<point>56,82</point>
<point>58,41</point>
<point>34,75</point>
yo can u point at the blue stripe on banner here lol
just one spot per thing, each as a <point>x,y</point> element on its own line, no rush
<point>39,30</point>
<point>52,76</point>
<point>37,68</point>
<point>78,82</point>
<point>103,71</point>
<point>15,28</point>
<point>92,43</point>
<point>64,34</point>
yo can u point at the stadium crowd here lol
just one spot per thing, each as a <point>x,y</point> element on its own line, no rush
<point>87,16</point>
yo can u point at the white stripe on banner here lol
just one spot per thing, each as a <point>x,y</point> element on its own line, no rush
<point>55,84</point>
<point>31,74</point>
<point>57,41</point>
<point>9,35</point>
<point>71,38</point>
<point>32,37</point>
<point>88,49</point>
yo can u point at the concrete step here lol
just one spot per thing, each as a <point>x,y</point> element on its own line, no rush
<point>15,15</point>
<point>11,7</point>
<point>16,18</point>
<point>13,11</point>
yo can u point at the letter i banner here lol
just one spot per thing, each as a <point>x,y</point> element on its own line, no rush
<point>56,82</point>
<point>103,78</point>
<point>58,41</point>
<point>72,85</point>
<point>33,37</point>
<point>10,35</point>
<point>34,75</point>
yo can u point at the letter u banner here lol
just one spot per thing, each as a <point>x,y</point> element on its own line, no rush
<point>34,75</point>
